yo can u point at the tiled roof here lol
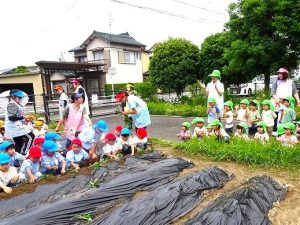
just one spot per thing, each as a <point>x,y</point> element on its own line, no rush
<point>78,48</point>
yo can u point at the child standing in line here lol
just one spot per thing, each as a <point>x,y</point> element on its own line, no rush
<point>218,131</point>
<point>253,116</point>
<point>38,130</point>
<point>16,158</point>
<point>213,111</point>
<point>228,115</point>
<point>126,142</point>
<point>288,114</point>
<point>8,174</point>
<point>77,157</point>
<point>185,133</point>
<point>31,166</point>
<point>52,161</point>
<point>111,148</point>
<point>268,115</point>
<point>241,112</point>
<point>262,134</point>
<point>242,131</point>
<point>200,130</point>
<point>288,138</point>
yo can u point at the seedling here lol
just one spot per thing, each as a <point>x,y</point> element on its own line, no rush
<point>95,183</point>
<point>87,217</point>
<point>96,165</point>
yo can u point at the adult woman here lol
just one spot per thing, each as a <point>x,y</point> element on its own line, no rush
<point>284,87</point>
<point>74,118</point>
<point>14,123</point>
<point>63,99</point>
<point>137,108</point>
<point>79,89</point>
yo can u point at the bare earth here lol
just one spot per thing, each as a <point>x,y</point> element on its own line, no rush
<point>286,212</point>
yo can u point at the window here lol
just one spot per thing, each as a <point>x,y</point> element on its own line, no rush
<point>82,59</point>
<point>98,55</point>
<point>137,55</point>
<point>92,85</point>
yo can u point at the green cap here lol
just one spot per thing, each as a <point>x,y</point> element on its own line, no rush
<point>208,126</point>
<point>290,126</point>
<point>216,122</point>
<point>267,102</point>
<point>244,126</point>
<point>263,125</point>
<point>212,99</point>
<point>280,129</point>
<point>245,101</point>
<point>186,124</point>
<point>255,102</point>
<point>215,73</point>
<point>229,104</point>
<point>291,100</point>
<point>198,120</point>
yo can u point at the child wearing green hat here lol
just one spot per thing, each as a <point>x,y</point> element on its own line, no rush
<point>228,115</point>
<point>242,131</point>
<point>262,134</point>
<point>288,138</point>
<point>185,133</point>
<point>288,114</point>
<point>218,131</point>
<point>268,116</point>
<point>253,116</point>
<point>241,112</point>
<point>200,130</point>
<point>213,111</point>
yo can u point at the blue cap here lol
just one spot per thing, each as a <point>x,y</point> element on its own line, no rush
<point>50,146</point>
<point>125,131</point>
<point>17,93</point>
<point>4,158</point>
<point>50,136</point>
<point>101,125</point>
<point>5,144</point>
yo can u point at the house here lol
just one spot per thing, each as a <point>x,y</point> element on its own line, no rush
<point>121,54</point>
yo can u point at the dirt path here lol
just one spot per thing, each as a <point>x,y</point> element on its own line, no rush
<point>285,213</point>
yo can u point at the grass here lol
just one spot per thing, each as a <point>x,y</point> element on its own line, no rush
<point>252,153</point>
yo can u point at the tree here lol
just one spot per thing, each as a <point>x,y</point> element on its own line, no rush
<point>259,46</point>
<point>20,69</point>
<point>175,64</point>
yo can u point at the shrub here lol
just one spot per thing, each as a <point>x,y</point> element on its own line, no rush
<point>146,90</point>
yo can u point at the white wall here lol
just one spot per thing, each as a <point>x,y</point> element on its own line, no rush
<point>95,43</point>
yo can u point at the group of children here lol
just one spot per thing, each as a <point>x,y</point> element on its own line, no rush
<point>252,122</point>
<point>48,156</point>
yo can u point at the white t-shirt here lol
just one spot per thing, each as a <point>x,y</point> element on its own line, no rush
<point>262,137</point>
<point>241,115</point>
<point>200,131</point>
<point>136,140</point>
<point>39,133</point>
<point>268,117</point>
<point>228,119</point>
<point>288,141</point>
<point>212,92</point>
<point>6,177</point>
<point>242,136</point>
<point>108,149</point>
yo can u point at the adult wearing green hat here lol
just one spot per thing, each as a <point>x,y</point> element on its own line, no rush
<point>215,89</point>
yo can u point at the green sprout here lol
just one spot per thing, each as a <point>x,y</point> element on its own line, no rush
<point>87,217</point>
<point>95,183</point>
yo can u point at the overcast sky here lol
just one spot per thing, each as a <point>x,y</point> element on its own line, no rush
<point>34,30</point>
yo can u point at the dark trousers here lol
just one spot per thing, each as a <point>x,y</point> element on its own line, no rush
<point>126,149</point>
<point>252,130</point>
<point>229,131</point>
<point>23,143</point>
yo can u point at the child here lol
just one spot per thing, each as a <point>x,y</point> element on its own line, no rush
<point>44,125</point>
<point>30,168</point>
<point>140,140</point>
<point>242,131</point>
<point>253,116</point>
<point>289,114</point>
<point>118,130</point>
<point>16,158</point>
<point>29,121</point>
<point>218,131</point>
<point>2,132</point>
<point>262,134</point>
<point>52,161</point>
<point>199,131</point>
<point>8,174</point>
<point>228,115</point>
<point>268,116</point>
<point>52,136</point>
<point>288,138</point>
<point>185,133</point>
<point>209,129</point>
<point>213,112</point>
<point>111,148</point>
<point>77,157</point>
<point>38,130</point>
<point>39,142</point>
<point>242,111</point>
<point>126,142</point>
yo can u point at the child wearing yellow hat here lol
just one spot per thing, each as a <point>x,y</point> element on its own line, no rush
<point>38,129</point>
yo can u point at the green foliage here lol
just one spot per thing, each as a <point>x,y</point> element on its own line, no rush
<point>272,154</point>
<point>146,90</point>
<point>174,65</point>
<point>86,217</point>
<point>20,69</point>
<point>117,88</point>
<point>95,183</point>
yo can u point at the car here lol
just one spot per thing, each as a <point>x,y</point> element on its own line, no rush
<point>250,88</point>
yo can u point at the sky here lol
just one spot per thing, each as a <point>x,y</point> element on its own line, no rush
<point>35,30</point>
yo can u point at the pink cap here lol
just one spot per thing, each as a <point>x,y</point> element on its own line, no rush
<point>75,81</point>
<point>282,70</point>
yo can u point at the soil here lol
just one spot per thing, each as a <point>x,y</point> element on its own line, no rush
<point>286,212</point>
<point>28,188</point>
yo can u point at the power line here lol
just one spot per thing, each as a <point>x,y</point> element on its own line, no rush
<point>181,16</point>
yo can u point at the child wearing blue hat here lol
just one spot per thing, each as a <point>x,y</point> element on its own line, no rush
<point>126,142</point>
<point>8,174</point>
<point>77,157</point>
<point>52,161</point>
<point>16,158</point>
<point>55,137</point>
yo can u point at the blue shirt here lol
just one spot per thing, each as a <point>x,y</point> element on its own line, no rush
<point>213,113</point>
<point>28,164</point>
<point>16,157</point>
<point>142,118</point>
<point>89,136</point>
<point>76,158</point>
<point>54,160</point>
